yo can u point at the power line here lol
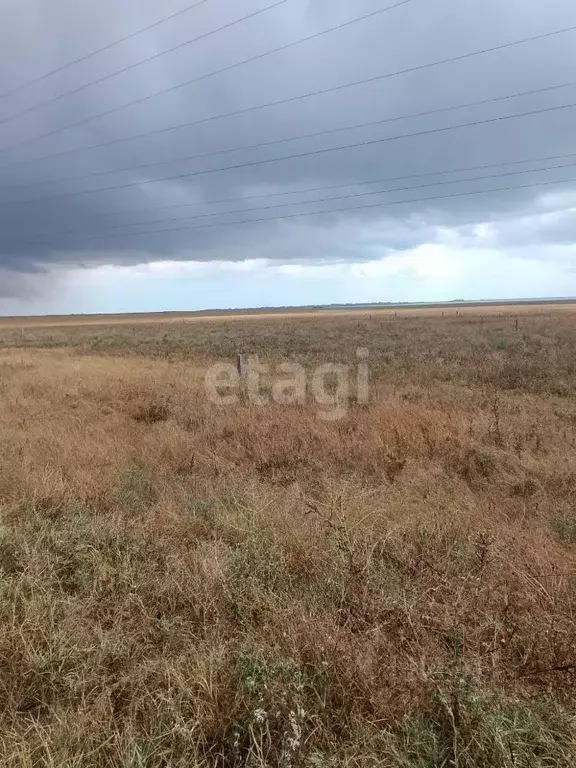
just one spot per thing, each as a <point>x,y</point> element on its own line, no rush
<point>357,208</point>
<point>107,47</point>
<point>308,190</point>
<point>369,206</point>
<point>130,67</point>
<point>316,134</point>
<point>304,202</point>
<point>322,151</point>
<point>305,190</point>
<point>196,79</point>
<point>351,196</point>
<point>292,99</point>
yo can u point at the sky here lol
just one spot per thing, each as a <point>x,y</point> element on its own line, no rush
<point>195,179</point>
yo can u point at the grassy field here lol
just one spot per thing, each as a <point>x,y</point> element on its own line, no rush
<point>382,312</point>
<point>187,585</point>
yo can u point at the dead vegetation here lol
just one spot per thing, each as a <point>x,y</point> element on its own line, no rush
<point>186,585</point>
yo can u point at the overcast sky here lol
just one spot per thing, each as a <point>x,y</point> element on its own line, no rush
<point>149,245</point>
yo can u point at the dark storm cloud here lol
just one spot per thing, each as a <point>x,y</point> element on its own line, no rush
<point>74,229</point>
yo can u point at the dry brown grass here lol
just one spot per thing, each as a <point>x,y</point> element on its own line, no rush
<point>454,309</point>
<point>186,585</point>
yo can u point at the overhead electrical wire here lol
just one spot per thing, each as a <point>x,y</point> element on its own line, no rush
<point>291,99</point>
<point>107,234</point>
<point>140,63</point>
<point>260,209</point>
<point>301,137</point>
<point>366,207</point>
<point>199,78</point>
<point>369,206</point>
<point>306,190</point>
<point>309,190</point>
<point>351,196</point>
<point>85,57</point>
<point>310,153</point>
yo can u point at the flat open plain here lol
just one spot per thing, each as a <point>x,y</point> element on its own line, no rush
<point>400,310</point>
<point>188,584</point>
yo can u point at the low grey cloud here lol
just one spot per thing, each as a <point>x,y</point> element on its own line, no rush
<point>47,221</point>
<point>28,284</point>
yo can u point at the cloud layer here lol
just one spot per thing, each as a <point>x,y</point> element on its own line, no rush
<point>46,222</point>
